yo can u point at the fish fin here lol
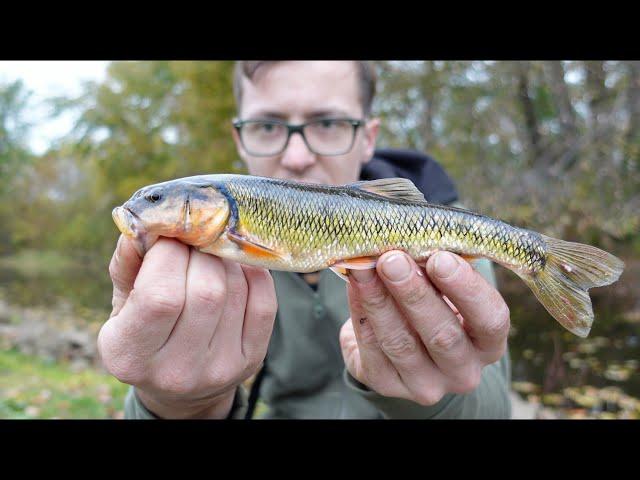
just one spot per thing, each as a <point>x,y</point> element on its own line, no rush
<point>343,273</point>
<point>399,188</point>
<point>252,248</point>
<point>562,286</point>
<point>357,263</point>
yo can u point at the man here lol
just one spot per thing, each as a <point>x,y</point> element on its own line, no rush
<point>398,341</point>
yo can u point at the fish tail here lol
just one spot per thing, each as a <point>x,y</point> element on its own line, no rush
<point>571,269</point>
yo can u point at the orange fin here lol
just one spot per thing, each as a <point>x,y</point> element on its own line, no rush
<point>343,273</point>
<point>254,249</point>
<point>469,258</point>
<point>357,263</point>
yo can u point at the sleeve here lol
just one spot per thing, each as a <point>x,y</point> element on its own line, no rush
<point>135,410</point>
<point>491,400</point>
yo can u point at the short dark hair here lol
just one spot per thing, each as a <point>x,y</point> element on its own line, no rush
<point>366,76</point>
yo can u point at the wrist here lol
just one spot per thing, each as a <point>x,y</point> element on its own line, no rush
<point>217,407</point>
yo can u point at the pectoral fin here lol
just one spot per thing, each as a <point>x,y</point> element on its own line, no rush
<point>254,249</point>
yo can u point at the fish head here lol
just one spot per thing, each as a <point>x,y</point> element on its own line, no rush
<point>196,213</point>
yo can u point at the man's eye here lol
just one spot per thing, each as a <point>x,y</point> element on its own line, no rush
<point>268,127</point>
<point>327,123</point>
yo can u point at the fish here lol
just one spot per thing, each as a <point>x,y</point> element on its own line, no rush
<point>305,227</point>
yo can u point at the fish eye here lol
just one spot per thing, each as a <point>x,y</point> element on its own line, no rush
<point>153,197</point>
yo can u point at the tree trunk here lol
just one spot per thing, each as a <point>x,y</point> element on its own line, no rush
<point>567,114</point>
<point>633,104</point>
<point>568,146</point>
<point>428,87</point>
<point>596,91</point>
<point>528,109</point>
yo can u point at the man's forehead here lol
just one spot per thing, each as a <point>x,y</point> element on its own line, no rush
<point>303,89</point>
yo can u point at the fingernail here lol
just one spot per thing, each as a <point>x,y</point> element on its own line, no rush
<point>445,264</point>
<point>362,276</point>
<point>396,267</point>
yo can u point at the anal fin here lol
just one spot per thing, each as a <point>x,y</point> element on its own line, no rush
<point>343,273</point>
<point>357,263</point>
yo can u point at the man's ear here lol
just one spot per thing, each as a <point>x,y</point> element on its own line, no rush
<point>370,135</point>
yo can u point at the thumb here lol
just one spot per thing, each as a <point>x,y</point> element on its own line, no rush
<point>123,269</point>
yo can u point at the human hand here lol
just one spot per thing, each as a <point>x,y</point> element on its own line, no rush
<point>417,336</point>
<point>186,327</point>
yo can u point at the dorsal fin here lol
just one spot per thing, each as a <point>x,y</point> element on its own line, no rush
<point>399,188</point>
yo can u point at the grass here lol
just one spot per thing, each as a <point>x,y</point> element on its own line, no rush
<point>34,388</point>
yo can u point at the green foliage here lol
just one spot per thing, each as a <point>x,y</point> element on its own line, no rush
<point>14,156</point>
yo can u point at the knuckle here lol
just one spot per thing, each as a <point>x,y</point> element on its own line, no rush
<point>222,377</point>
<point>429,396</point>
<point>125,368</point>
<point>469,382</point>
<point>117,277</point>
<point>375,302</point>
<point>416,294</point>
<point>399,344</point>
<point>445,338</point>
<point>121,365</point>
<point>252,364</point>
<point>175,381</point>
<point>267,309</point>
<point>385,389</point>
<point>498,325</point>
<point>212,297</point>
<point>159,301</point>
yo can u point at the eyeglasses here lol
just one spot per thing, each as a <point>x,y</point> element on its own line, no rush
<point>326,136</point>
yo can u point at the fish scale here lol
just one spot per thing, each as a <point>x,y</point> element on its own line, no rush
<point>318,224</point>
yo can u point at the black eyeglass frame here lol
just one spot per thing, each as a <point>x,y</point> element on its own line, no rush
<point>291,129</point>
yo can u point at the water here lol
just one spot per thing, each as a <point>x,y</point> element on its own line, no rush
<point>552,366</point>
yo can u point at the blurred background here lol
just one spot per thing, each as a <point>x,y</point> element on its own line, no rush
<point>551,146</point>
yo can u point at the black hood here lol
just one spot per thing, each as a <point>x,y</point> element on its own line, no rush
<point>427,174</point>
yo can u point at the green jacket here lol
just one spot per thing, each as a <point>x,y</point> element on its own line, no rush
<point>306,376</point>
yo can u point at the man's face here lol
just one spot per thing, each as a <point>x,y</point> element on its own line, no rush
<point>297,92</point>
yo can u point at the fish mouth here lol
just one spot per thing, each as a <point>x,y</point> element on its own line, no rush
<point>131,226</point>
<point>128,222</point>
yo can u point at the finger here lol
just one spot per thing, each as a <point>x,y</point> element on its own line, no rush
<point>485,312</point>
<point>397,339</point>
<point>260,313</point>
<point>205,297</point>
<point>123,269</point>
<point>453,308</point>
<point>368,363</point>
<point>438,327</point>
<point>157,299</point>
<point>228,335</point>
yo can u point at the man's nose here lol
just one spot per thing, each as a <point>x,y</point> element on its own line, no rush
<point>297,155</point>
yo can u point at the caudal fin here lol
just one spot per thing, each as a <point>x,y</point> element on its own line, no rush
<point>570,271</point>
